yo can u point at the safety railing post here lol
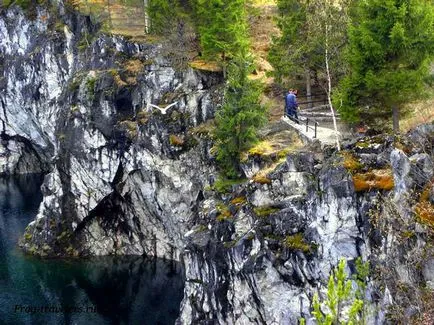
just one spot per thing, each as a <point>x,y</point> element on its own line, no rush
<point>316,125</point>
<point>307,124</point>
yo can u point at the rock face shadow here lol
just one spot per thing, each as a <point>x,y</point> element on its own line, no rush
<point>99,290</point>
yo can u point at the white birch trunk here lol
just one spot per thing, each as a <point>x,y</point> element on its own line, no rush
<point>145,6</point>
<point>329,82</point>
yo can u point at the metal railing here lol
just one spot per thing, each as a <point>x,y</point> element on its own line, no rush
<point>314,128</point>
<point>312,95</point>
<point>324,101</point>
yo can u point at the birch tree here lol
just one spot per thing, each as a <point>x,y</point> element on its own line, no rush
<point>329,18</point>
<point>145,9</point>
<point>313,36</point>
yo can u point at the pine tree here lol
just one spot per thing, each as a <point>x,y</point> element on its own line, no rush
<point>340,294</point>
<point>240,116</point>
<point>222,25</point>
<point>390,48</point>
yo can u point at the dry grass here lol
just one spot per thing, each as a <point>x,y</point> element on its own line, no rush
<point>239,200</point>
<point>424,209</point>
<point>143,117</point>
<point>421,112</point>
<point>380,179</point>
<point>223,212</point>
<point>261,178</point>
<point>131,127</point>
<point>119,17</point>
<point>425,212</point>
<point>350,162</point>
<point>278,145</point>
<point>262,29</point>
<point>296,242</point>
<point>200,64</point>
<point>263,148</point>
<point>274,149</point>
<point>205,129</point>
<point>258,3</point>
<point>265,211</point>
<point>176,140</point>
<point>134,66</point>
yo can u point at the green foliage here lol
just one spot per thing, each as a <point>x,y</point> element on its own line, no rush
<point>239,118</point>
<point>340,294</point>
<point>164,15</point>
<point>296,242</point>
<point>90,86</point>
<point>24,4</point>
<point>265,211</point>
<point>300,49</point>
<point>223,212</point>
<point>222,25</point>
<point>29,7</point>
<point>361,279</point>
<point>291,48</point>
<point>390,47</point>
<point>223,185</point>
<point>85,41</point>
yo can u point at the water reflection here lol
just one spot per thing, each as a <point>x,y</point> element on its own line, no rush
<point>103,290</point>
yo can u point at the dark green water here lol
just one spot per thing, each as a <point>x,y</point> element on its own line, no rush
<point>128,290</point>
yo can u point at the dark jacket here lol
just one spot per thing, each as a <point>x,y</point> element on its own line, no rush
<point>290,101</point>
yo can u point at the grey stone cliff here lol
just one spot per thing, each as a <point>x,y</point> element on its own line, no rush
<point>124,179</point>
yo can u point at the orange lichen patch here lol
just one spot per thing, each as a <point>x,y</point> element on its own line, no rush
<point>239,200</point>
<point>379,179</point>
<point>200,64</point>
<point>424,196</point>
<point>424,209</point>
<point>176,141</point>
<point>350,162</point>
<point>261,179</point>
<point>425,212</point>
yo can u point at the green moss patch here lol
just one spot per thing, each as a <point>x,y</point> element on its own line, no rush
<point>297,243</point>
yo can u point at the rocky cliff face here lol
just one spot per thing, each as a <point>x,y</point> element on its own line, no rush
<point>123,179</point>
<point>116,165</point>
<point>262,263</point>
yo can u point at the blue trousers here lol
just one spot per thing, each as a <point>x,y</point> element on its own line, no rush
<point>292,112</point>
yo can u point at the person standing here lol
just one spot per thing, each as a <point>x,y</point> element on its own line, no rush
<point>291,105</point>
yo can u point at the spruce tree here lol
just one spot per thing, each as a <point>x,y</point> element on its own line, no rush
<point>222,26</point>
<point>291,53</point>
<point>162,16</point>
<point>390,48</point>
<point>240,116</point>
